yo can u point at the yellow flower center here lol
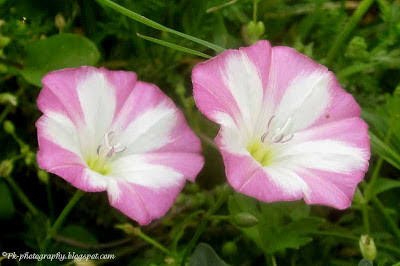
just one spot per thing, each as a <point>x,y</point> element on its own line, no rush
<point>98,164</point>
<point>260,152</point>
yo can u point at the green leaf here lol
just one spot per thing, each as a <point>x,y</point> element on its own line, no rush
<point>173,46</point>
<point>157,26</point>
<point>390,155</point>
<point>384,184</point>
<point>204,255</point>
<point>7,208</point>
<point>57,52</point>
<point>281,225</point>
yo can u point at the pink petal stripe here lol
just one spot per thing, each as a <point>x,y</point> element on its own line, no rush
<point>64,83</point>
<point>144,204</point>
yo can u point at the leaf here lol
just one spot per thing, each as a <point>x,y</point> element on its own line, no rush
<point>204,255</point>
<point>57,52</point>
<point>281,225</point>
<point>7,208</point>
<point>390,155</point>
<point>173,46</point>
<point>384,184</point>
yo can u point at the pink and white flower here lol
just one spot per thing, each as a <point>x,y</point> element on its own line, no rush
<point>288,130</point>
<point>104,130</point>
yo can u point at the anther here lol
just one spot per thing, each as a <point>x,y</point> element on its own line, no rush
<point>266,133</point>
<point>288,139</point>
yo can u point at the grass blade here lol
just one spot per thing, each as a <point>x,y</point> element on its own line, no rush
<point>158,26</point>
<point>173,46</point>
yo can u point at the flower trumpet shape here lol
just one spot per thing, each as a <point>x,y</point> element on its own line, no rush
<point>288,130</point>
<point>103,130</point>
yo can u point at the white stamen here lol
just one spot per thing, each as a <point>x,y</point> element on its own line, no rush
<point>279,136</point>
<point>108,149</point>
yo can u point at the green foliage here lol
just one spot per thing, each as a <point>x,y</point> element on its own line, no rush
<point>40,36</point>
<point>284,228</point>
<point>7,208</point>
<point>57,52</point>
<point>204,255</point>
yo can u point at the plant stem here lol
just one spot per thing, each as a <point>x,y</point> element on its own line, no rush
<point>21,195</point>
<point>365,217</point>
<point>150,240</point>
<point>203,224</point>
<point>5,112</point>
<point>273,260</point>
<point>255,4</point>
<point>60,220</point>
<point>158,26</point>
<point>348,29</point>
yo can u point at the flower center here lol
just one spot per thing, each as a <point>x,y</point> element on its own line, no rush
<point>260,152</point>
<point>99,162</point>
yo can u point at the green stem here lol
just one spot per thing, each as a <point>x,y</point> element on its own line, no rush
<point>348,29</point>
<point>273,260</point>
<point>21,195</point>
<point>392,224</point>
<point>255,5</point>
<point>364,210</point>
<point>151,241</point>
<point>60,220</point>
<point>5,113</point>
<point>203,224</point>
<point>158,26</point>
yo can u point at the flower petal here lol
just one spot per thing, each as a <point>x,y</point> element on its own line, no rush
<point>233,83</point>
<point>138,169</point>
<point>305,91</point>
<point>59,153</point>
<point>140,203</point>
<point>87,94</point>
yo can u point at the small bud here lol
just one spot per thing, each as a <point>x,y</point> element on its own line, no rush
<point>169,260</point>
<point>128,228</point>
<point>367,247</point>
<point>29,158</point>
<point>24,149</point>
<point>229,249</point>
<point>251,28</point>
<point>43,176</point>
<point>4,41</point>
<point>8,98</point>
<point>59,21</point>
<point>6,168</point>
<point>9,127</point>
<point>260,28</point>
<point>245,219</point>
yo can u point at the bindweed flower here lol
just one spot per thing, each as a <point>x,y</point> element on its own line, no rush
<point>288,130</point>
<point>103,130</point>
